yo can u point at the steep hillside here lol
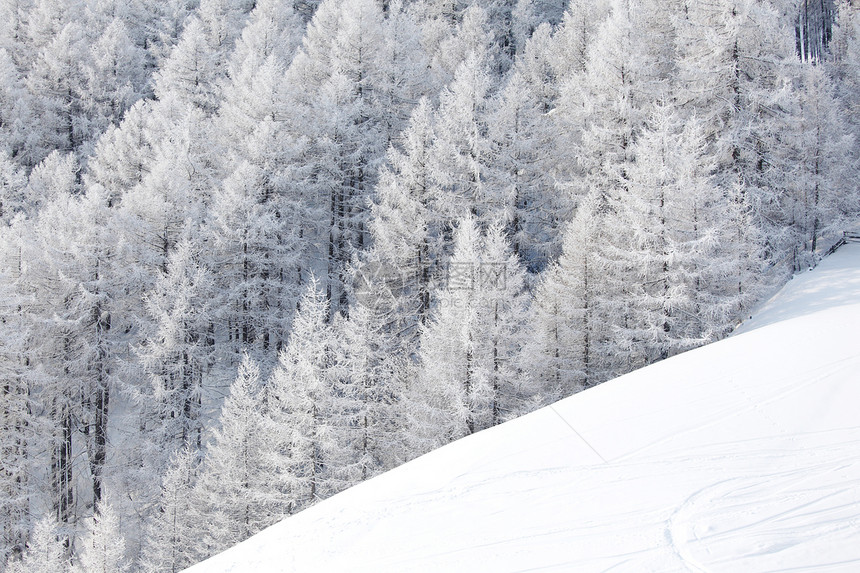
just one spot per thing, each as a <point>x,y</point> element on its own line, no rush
<point>740,456</point>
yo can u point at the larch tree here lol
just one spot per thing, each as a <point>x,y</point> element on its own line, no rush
<point>406,228</point>
<point>122,154</point>
<point>191,72</point>
<point>56,81</point>
<point>461,152</point>
<point>676,244</point>
<point>845,67</point>
<point>45,551</point>
<point>370,376</point>
<point>536,208</point>
<point>471,375</point>
<point>114,79</point>
<point>103,548</point>
<point>16,107</point>
<point>732,72</point>
<point>176,352</point>
<point>570,337</point>
<point>19,422</point>
<point>174,539</point>
<point>529,15</point>
<point>824,156</point>
<point>298,400</point>
<point>257,219</point>
<point>13,182</point>
<point>81,334</point>
<point>232,485</point>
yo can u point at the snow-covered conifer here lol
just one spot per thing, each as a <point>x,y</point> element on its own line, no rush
<point>298,397</point>
<point>175,537</point>
<point>46,551</point>
<point>103,548</point>
<point>232,485</point>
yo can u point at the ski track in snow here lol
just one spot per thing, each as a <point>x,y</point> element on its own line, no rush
<point>740,456</point>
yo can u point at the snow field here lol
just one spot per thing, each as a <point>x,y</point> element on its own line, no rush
<point>743,455</point>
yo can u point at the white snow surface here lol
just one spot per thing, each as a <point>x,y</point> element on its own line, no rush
<point>743,455</point>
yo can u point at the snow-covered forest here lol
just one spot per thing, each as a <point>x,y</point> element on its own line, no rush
<point>254,252</point>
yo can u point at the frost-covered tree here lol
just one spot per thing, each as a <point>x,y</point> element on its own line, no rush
<point>122,155</point>
<point>174,537</point>
<point>535,207</point>
<point>677,245</point>
<point>846,60</point>
<point>46,551</point>
<point>298,398</point>
<point>822,197</point>
<point>176,352</point>
<point>406,227</point>
<point>257,217</point>
<point>16,107</point>
<point>461,152</point>
<point>814,29</point>
<point>13,182</point>
<point>19,423</point>
<point>114,78</point>
<point>732,71</point>
<point>471,375</point>
<point>370,377</point>
<point>255,251</point>
<point>570,336</point>
<point>190,73</point>
<point>628,65</point>
<point>528,15</point>
<point>233,483</point>
<point>103,548</point>
<point>264,50</point>
<point>56,81</point>
<point>79,343</point>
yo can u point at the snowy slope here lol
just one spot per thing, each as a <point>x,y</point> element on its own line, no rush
<point>740,456</point>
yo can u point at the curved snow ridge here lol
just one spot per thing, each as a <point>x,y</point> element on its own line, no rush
<point>740,456</point>
<point>833,283</point>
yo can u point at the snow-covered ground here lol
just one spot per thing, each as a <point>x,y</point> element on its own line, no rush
<point>740,456</point>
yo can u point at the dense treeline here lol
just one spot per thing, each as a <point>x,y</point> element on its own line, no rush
<point>254,252</point>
